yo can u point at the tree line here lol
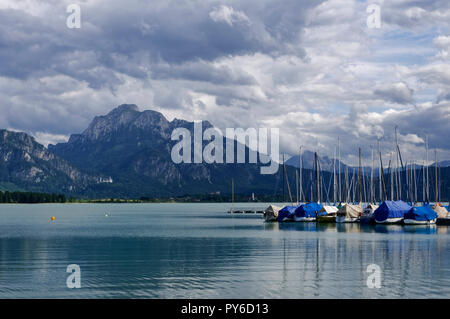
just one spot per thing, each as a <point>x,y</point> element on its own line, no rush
<point>31,197</point>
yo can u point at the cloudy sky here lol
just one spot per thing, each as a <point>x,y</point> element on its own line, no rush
<point>312,68</point>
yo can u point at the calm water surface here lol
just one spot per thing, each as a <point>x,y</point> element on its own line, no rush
<point>198,251</point>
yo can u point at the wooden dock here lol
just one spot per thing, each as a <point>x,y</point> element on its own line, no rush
<point>246,210</point>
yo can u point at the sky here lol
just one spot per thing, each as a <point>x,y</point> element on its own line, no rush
<point>313,69</point>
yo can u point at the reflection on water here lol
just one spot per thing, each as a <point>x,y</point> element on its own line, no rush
<point>198,251</point>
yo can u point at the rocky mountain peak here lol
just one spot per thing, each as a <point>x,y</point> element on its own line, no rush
<point>17,138</point>
<point>28,164</point>
<point>120,117</point>
<point>124,108</point>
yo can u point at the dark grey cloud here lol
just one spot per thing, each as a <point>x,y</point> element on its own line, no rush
<point>145,33</point>
<point>432,121</point>
<point>304,66</point>
<point>200,71</point>
<point>397,93</point>
<point>443,97</point>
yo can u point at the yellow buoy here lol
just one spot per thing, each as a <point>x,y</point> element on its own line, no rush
<point>52,218</point>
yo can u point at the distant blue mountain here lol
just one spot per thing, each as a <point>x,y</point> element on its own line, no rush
<point>134,148</point>
<point>325,163</point>
<point>126,153</point>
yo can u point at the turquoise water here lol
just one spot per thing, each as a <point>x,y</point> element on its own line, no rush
<point>198,251</point>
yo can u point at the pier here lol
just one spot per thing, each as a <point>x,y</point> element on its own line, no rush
<point>246,210</point>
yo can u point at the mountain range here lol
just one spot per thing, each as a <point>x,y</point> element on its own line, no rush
<point>326,163</point>
<point>127,153</point>
<point>28,165</point>
<point>133,149</point>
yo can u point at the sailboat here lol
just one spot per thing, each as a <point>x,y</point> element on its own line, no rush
<point>391,212</point>
<point>271,213</point>
<point>443,214</point>
<point>329,214</point>
<point>286,213</point>
<point>350,213</point>
<point>367,214</point>
<point>310,211</point>
<point>421,215</point>
<point>441,210</point>
<point>443,217</point>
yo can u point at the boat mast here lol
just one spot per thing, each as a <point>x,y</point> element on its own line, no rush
<point>284,197</point>
<point>353,185</point>
<point>320,178</point>
<point>359,177</point>
<point>439,185</point>
<point>372,195</point>
<point>415,184</point>
<point>397,171</point>
<point>287,182</point>
<point>363,182</point>
<point>411,181</point>
<point>399,174</point>
<point>334,177</point>
<point>316,163</point>
<point>347,191</point>
<point>339,170</point>
<point>301,175</point>
<point>391,177</point>
<point>383,195</point>
<point>428,181</point>
<point>436,175</point>
<point>381,173</point>
<point>407,177</point>
<point>423,183</point>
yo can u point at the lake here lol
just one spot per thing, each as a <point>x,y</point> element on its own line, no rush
<point>199,251</point>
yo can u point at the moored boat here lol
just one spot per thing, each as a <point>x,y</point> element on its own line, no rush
<point>271,213</point>
<point>391,212</point>
<point>308,212</point>
<point>421,215</point>
<point>286,214</point>
<point>367,216</point>
<point>443,214</point>
<point>349,213</point>
<point>440,210</point>
<point>330,214</point>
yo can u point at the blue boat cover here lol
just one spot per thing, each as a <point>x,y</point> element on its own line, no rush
<point>391,209</point>
<point>421,213</point>
<point>286,212</point>
<point>309,210</point>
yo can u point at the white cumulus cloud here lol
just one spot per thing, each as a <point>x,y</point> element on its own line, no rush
<point>228,15</point>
